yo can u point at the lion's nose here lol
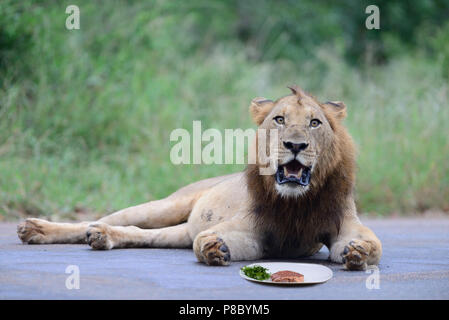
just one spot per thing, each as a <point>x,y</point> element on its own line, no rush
<point>295,147</point>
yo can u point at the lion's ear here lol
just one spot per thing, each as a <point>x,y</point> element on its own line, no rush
<point>260,108</point>
<point>337,108</point>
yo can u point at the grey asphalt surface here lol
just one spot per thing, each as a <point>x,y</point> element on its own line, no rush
<point>415,265</point>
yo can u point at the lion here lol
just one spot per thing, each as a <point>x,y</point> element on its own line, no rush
<point>305,203</point>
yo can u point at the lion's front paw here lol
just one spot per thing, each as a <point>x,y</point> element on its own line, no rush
<point>33,231</point>
<point>99,236</point>
<point>355,254</point>
<point>212,250</point>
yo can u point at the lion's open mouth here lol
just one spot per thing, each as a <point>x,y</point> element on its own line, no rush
<point>293,172</point>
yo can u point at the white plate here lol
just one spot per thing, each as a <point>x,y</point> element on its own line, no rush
<point>313,273</point>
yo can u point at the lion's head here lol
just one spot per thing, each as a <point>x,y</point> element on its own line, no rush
<point>310,140</point>
<point>314,171</point>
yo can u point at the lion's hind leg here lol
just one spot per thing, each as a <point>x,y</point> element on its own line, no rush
<point>157,214</point>
<point>39,231</point>
<point>101,236</point>
<point>154,214</point>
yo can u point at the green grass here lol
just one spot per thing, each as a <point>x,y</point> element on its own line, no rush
<point>85,116</point>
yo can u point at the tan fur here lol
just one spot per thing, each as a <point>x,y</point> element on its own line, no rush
<point>248,216</point>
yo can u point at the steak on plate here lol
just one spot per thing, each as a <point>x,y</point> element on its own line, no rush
<point>287,276</point>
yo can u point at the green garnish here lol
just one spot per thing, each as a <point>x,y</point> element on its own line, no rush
<point>256,272</point>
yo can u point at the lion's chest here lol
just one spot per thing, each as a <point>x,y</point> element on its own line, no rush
<point>293,246</point>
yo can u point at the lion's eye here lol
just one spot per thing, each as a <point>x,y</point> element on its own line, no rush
<point>279,120</point>
<point>314,123</point>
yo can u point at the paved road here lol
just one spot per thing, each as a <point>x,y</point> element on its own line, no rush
<point>415,265</point>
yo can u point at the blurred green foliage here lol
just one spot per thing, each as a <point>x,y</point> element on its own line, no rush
<point>269,30</point>
<point>85,115</point>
